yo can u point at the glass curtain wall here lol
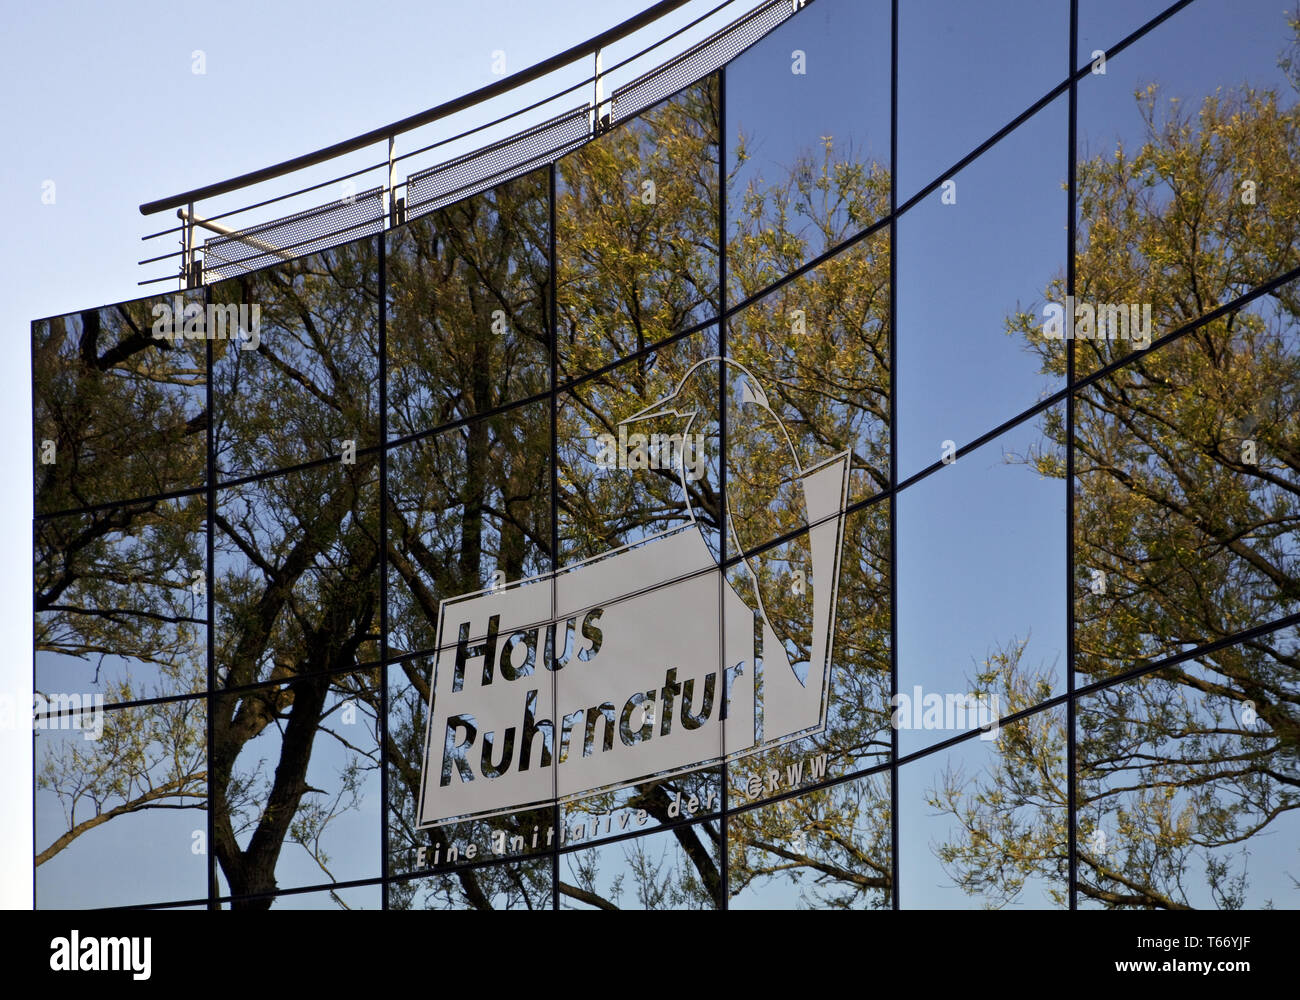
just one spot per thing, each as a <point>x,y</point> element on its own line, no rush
<point>944,359</point>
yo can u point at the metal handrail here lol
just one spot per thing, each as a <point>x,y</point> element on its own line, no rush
<point>388,132</point>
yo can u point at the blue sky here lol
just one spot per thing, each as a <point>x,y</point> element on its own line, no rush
<point>101,99</point>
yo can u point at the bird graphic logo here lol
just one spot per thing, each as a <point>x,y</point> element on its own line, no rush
<point>676,651</point>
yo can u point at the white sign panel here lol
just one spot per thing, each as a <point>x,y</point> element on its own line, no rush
<point>617,670</point>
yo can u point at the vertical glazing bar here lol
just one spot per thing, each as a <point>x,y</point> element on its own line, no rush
<point>553,327</point>
<point>210,586</point>
<point>725,848</point>
<point>381,248</point>
<point>1071,749</point>
<point>893,447</point>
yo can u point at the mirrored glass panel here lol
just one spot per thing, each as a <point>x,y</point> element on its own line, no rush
<point>967,69</point>
<point>119,402</point>
<point>296,790</point>
<point>469,509</point>
<point>298,379</point>
<point>978,263</point>
<point>808,379</point>
<point>826,850</point>
<point>354,897</point>
<point>123,794</point>
<point>1102,23</point>
<point>639,451</point>
<point>814,624</point>
<point>441,775</point>
<point>121,601</point>
<point>636,239</point>
<point>981,586</point>
<point>1187,784</point>
<point>983,824</point>
<point>807,140</point>
<point>526,886</point>
<point>660,802</point>
<point>467,300</point>
<point>1187,184</point>
<point>297,573</point>
<point>674,870</point>
<point>1187,491</point>
<point>640,698</point>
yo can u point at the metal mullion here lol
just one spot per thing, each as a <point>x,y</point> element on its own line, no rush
<point>312,463</point>
<point>210,590</point>
<point>31,535</point>
<point>893,450</point>
<point>381,249</point>
<point>554,457</point>
<point>1071,748</point>
<point>724,860</point>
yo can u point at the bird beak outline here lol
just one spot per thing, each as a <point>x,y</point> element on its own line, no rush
<point>662,407</point>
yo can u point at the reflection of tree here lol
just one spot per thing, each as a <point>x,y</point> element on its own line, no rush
<point>819,347</point>
<point>1187,504</point>
<point>634,266</point>
<point>143,760</point>
<point>1010,818</point>
<point>832,846</point>
<point>296,587</point>
<point>96,375</point>
<point>117,586</point>
<point>99,598</point>
<point>1172,785</point>
<point>1176,786</point>
<point>651,875</point>
<point>636,231</point>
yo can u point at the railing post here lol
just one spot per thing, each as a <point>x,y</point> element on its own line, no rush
<point>600,117</point>
<point>191,264</point>
<point>394,207</point>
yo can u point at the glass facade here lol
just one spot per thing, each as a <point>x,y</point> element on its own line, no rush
<point>918,395</point>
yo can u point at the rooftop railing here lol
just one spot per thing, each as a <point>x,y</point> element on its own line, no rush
<point>466,158</point>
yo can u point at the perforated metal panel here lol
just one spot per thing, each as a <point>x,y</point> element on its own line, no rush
<point>718,50</point>
<point>499,162</point>
<point>296,235</point>
<point>342,221</point>
<point>474,172</point>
